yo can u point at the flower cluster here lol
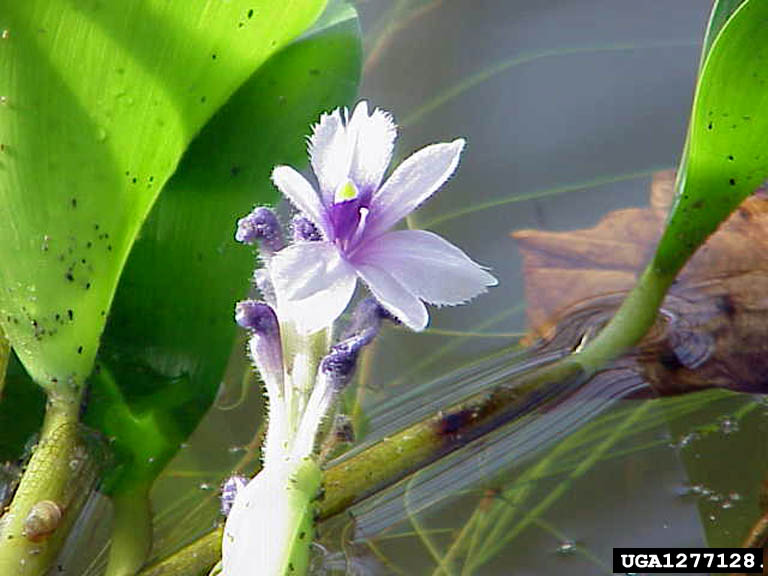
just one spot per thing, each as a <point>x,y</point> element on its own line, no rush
<point>343,232</point>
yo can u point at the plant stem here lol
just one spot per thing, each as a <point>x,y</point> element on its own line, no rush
<point>195,559</point>
<point>631,322</point>
<point>131,532</point>
<point>59,477</point>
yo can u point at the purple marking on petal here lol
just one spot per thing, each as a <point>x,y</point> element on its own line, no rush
<point>304,230</point>
<point>261,225</point>
<point>345,219</point>
<point>229,491</point>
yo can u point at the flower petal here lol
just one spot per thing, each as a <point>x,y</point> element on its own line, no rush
<point>395,297</point>
<point>427,265</point>
<point>415,180</point>
<point>313,284</point>
<point>374,138</point>
<point>302,195</point>
<point>330,152</point>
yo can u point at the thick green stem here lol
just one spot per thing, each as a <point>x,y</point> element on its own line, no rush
<point>131,532</point>
<point>196,559</point>
<point>56,483</point>
<point>630,323</point>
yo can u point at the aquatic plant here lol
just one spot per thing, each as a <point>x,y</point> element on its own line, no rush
<point>107,125</point>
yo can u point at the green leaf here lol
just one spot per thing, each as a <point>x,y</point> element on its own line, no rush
<point>171,330</point>
<point>725,157</point>
<point>98,101</point>
<point>721,11</point>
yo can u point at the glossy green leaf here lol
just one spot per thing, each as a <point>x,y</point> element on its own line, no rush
<point>171,330</point>
<point>98,101</point>
<point>725,158</point>
<point>721,11</point>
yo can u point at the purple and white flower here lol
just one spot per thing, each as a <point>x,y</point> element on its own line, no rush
<point>354,214</point>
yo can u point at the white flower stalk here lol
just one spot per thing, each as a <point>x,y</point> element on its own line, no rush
<point>343,232</point>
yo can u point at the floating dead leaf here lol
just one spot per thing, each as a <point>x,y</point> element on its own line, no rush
<point>713,325</point>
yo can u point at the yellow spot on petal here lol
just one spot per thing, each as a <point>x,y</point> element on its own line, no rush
<point>346,191</point>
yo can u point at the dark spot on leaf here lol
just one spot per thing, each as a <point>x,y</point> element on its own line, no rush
<point>79,349</point>
<point>74,202</point>
<point>730,157</point>
<point>87,285</point>
<point>709,126</point>
<point>203,99</point>
<point>69,276</point>
<point>732,182</point>
<point>134,180</point>
<point>213,56</point>
<point>109,247</point>
<point>250,13</point>
<point>71,314</point>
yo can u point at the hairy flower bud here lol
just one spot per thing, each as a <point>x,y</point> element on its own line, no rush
<point>262,226</point>
<point>265,345</point>
<point>339,365</point>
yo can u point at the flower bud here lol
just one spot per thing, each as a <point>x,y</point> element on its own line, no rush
<point>339,365</point>
<point>265,345</point>
<point>262,226</point>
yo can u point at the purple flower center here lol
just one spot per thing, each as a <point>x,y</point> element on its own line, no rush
<point>348,215</point>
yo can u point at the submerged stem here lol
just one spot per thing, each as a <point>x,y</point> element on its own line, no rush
<point>131,532</point>
<point>56,483</point>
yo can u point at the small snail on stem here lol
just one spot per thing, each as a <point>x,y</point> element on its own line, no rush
<point>42,520</point>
